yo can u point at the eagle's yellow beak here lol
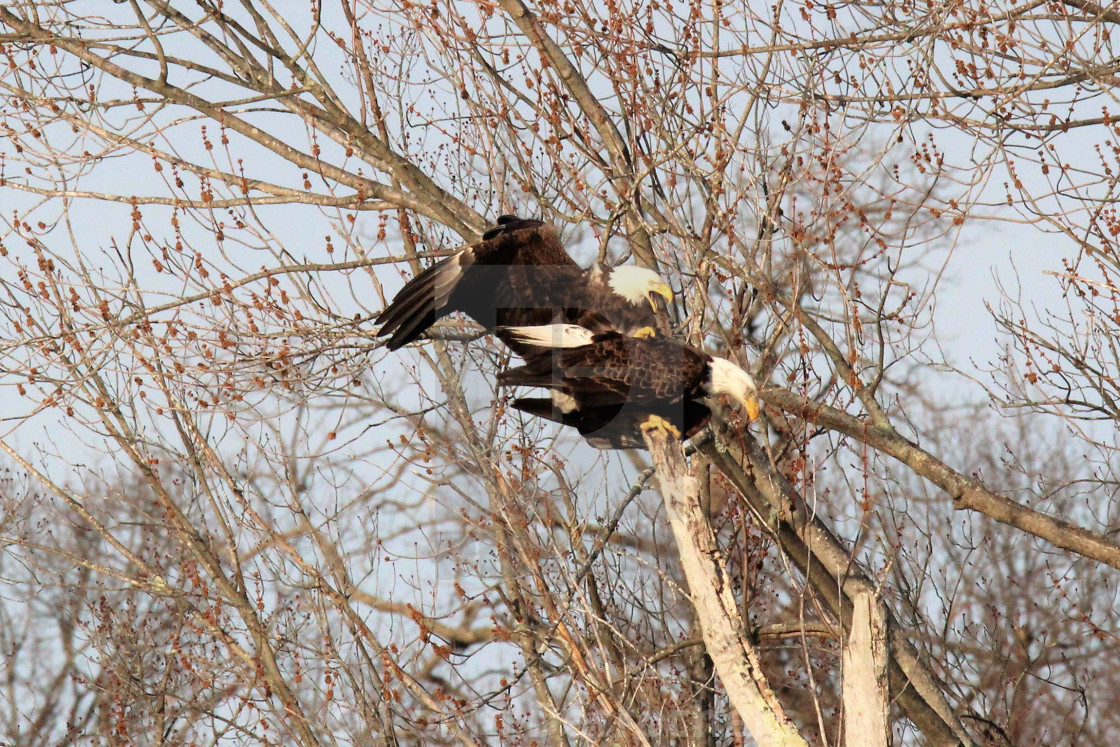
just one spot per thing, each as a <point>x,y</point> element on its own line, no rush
<point>754,407</point>
<point>663,290</point>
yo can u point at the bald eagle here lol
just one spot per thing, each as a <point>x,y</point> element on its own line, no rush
<point>607,385</point>
<point>520,275</point>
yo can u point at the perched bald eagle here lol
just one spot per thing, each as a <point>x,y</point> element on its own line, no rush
<point>520,275</point>
<point>607,385</point>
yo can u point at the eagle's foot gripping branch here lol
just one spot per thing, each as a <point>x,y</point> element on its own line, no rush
<point>645,333</point>
<point>656,423</point>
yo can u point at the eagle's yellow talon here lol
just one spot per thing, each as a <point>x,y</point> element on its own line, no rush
<point>645,333</point>
<point>656,422</point>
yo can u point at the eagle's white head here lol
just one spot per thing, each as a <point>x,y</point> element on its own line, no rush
<point>727,378</point>
<point>638,285</point>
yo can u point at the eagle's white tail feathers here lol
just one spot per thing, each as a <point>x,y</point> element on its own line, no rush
<point>552,335</point>
<point>563,401</point>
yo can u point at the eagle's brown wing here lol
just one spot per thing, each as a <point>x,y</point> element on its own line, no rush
<point>517,275</point>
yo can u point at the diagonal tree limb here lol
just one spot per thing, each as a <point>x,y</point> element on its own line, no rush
<point>966,492</point>
<point>623,163</point>
<point>426,198</point>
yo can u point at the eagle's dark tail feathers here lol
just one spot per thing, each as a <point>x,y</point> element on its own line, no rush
<point>541,407</point>
<point>530,375</point>
<point>601,429</point>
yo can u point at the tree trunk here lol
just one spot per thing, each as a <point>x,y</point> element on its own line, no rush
<point>865,685</point>
<point>733,656</point>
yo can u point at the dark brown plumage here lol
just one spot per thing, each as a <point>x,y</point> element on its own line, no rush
<point>607,385</point>
<point>519,274</point>
<point>615,369</point>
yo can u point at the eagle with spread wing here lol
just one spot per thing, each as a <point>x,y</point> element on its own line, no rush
<point>519,274</point>
<point>611,386</point>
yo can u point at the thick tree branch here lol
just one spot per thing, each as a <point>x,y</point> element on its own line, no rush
<point>966,492</point>
<point>600,119</point>
<point>440,207</point>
